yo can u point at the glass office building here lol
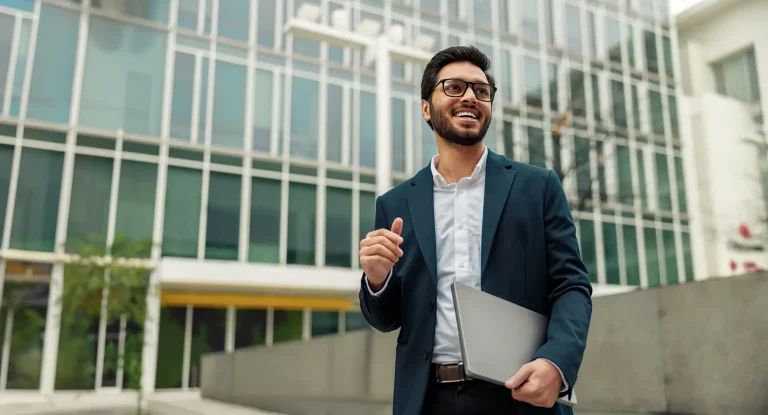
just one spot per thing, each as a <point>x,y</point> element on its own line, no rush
<point>201,125</point>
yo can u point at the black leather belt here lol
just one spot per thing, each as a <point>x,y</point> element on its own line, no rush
<point>450,372</point>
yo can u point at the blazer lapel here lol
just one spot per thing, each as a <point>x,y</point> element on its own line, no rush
<point>421,206</point>
<point>499,176</point>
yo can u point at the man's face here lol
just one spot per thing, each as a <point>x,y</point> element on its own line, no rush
<point>460,120</point>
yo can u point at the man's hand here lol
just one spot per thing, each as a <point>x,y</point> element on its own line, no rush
<point>537,383</point>
<point>379,252</point>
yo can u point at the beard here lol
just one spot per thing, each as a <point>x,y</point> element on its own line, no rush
<point>442,126</point>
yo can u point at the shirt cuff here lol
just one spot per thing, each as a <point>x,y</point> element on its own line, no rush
<point>565,384</point>
<point>378,293</point>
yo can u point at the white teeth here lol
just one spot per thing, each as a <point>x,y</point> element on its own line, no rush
<point>466,114</point>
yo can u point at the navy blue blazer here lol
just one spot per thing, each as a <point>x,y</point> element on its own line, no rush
<point>529,256</point>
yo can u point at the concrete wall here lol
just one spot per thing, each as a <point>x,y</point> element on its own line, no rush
<point>697,348</point>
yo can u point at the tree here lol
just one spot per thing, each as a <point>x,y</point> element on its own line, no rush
<point>108,281</point>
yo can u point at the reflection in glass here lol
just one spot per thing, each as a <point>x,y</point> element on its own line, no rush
<point>229,105</point>
<point>588,251</point>
<point>250,328</point>
<point>324,322</point>
<point>304,117</point>
<point>233,19</point>
<point>578,102</point>
<point>582,168</point>
<point>170,358</point>
<point>651,55</point>
<point>288,325</point>
<point>50,91</point>
<point>223,227</point>
<point>338,227</point>
<point>262,110</point>
<point>131,96</point>
<point>612,39</point>
<point>652,258</point>
<point>536,152</point>
<point>533,86</point>
<point>688,257</point>
<point>367,129</point>
<point>619,105</point>
<point>89,206</point>
<point>530,13</point>
<point>182,212</point>
<point>670,257</point>
<point>662,182</point>
<point>183,87</point>
<point>611,252</point>
<point>136,200</point>
<point>367,214</point>
<point>398,135</point>
<point>6,162</point>
<point>680,180</point>
<point>657,115</point>
<point>301,223</point>
<point>631,259</point>
<point>265,221</point>
<point>335,111</point>
<point>208,332</point>
<point>36,210</point>
<point>24,310</point>
<point>573,29</point>
<point>625,175</point>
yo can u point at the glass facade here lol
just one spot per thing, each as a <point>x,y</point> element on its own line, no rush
<point>262,145</point>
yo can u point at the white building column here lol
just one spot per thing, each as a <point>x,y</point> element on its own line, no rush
<point>151,335</point>
<point>229,340</point>
<point>52,327</point>
<point>383,116</point>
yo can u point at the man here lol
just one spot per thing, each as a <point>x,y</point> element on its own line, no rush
<point>477,217</point>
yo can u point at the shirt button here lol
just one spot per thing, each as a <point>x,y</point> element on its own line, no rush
<point>461,265</point>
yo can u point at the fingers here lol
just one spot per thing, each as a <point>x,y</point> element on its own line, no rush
<point>397,226</point>
<point>520,377</point>
<point>395,238</point>
<point>525,393</point>
<point>392,254</point>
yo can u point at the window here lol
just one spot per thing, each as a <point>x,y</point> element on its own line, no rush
<point>506,81</point>
<point>233,19</point>
<point>553,103</point>
<point>263,106</point>
<point>304,117</point>
<point>652,258</point>
<point>16,83</point>
<point>662,182</point>
<point>170,363</point>
<point>6,39</point>
<point>27,333</point>
<point>688,257</point>
<point>619,106</point>
<point>188,14</point>
<point>536,153</point>
<point>533,86</point>
<point>482,13</point>
<point>288,325</point>
<point>629,40</point>
<point>335,110</point>
<point>35,213</point>
<point>636,109</point>
<point>181,106</point>
<point>651,55</point>
<point>643,195</point>
<point>680,180</point>
<point>250,328</point>
<point>324,322</point>
<point>631,259</point>
<point>355,321</point>
<point>504,25</point>
<point>611,252</point>
<point>736,77</point>
<point>666,44</point>
<point>673,116</point>
<point>229,105</point>
<point>582,169</point>
<point>367,214</point>
<point>128,95</point>
<point>657,114</point>
<point>578,97</point>
<point>50,91</point>
<point>182,212</point>
<point>509,142</point>
<point>612,40</point>
<point>588,251</point>
<point>367,129</point>
<point>301,223</point>
<point>338,227</point>
<point>626,194</point>
<point>670,257</point>
<point>573,29</point>
<point>155,10</point>
<point>136,200</point>
<point>25,5</point>
<point>398,135</point>
<point>596,98</point>
<point>223,228</point>
<point>6,162</point>
<point>428,143</point>
<point>266,24</point>
<point>592,33</point>
<point>265,221</point>
<point>530,19</point>
<point>208,333</point>
<point>549,24</point>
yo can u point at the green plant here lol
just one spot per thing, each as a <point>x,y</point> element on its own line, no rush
<point>98,270</point>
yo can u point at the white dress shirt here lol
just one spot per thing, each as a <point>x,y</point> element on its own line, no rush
<point>458,235</point>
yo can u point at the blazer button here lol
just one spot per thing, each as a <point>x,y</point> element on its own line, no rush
<point>426,354</point>
<point>431,305</point>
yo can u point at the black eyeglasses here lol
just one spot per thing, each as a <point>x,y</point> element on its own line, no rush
<point>456,88</point>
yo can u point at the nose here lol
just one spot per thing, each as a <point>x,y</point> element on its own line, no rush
<point>469,95</point>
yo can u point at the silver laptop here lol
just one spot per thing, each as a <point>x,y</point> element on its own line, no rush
<point>497,337</point>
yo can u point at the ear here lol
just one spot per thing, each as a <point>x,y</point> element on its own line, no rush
<point>425,110</point>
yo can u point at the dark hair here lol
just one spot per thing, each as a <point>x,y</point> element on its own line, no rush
<point>450,55</point>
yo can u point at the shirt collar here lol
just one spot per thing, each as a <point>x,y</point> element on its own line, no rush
<point>438,179</point>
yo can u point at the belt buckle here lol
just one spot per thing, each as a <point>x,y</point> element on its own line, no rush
<point>459,367</point>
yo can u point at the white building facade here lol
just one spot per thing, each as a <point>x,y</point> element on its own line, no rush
<point>724,64</point>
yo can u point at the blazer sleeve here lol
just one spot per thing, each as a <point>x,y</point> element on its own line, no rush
<point>570,292</point>
<point>382,311</point>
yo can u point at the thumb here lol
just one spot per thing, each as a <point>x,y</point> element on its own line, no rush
<point>397,226</point>
<point>521,376</point>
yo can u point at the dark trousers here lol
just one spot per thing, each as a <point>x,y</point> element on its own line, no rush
<point>474,397</point>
